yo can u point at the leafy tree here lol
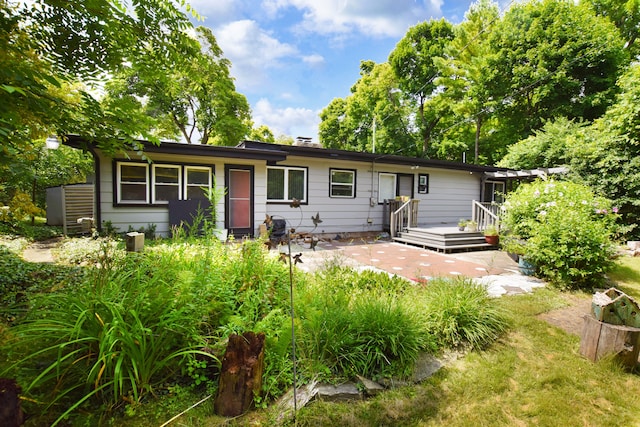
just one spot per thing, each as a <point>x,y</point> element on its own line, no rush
<point>262,133</point>
<point>551,146</point>
<point>463,74</point>
<point>49,43</point>
<point>413,63</point>
<point>373,104</point>
<point>189,97</point>
<point>625,14</point>
<point>608,158</point>
<point>551,58</point>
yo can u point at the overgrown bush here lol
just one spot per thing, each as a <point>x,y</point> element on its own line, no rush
<point>563,229</point>
<point>459,311</point>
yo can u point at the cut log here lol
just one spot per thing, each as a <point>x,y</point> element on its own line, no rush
<point>10,410</point>
<point>600,339</point>
<point>241,374</point>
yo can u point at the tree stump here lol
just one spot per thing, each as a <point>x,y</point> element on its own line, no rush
<point>10,409</point>
<point>600,339</point>
<point>241,374</point>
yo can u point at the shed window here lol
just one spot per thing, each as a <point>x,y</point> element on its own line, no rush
<point>286,183</point>
<point>342,183</point>
<point>133,183</point>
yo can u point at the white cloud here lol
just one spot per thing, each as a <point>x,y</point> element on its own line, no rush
<point>288,121</point>
<point>385,18</point>
<point>251,51</point>
<point>313,60</point>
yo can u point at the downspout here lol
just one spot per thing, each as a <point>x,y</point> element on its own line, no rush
<point>97,211</point>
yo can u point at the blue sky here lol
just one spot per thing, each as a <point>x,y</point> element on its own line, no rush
<point>290,58</point>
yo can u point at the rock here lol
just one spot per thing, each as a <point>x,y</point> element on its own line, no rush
<point>371,388</point>
<point>426,366</point>
<point>338,393</point>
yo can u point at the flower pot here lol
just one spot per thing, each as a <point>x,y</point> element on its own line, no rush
<point>492,240</point>
<point>526,267</point>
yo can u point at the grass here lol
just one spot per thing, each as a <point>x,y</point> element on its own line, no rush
<point>533,374</point>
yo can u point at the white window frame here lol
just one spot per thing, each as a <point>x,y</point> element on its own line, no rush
<point>119,181</point>
<point>382,197</point>
<point>342,184</point>
<point>207,169</point>
<point>154,184</point>
<point>287,198</point>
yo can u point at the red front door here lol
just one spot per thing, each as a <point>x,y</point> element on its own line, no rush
<point>239,200</point>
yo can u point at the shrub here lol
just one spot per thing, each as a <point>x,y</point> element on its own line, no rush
<point>563,229</point>
<point>460,312</point>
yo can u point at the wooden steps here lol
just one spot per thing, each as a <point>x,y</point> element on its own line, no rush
<point>446,239</point>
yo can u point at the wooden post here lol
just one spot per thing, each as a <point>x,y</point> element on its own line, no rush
<point>600,339</point>
<point>241,374</point>
<point>10,410</point>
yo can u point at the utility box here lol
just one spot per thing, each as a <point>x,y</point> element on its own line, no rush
<point>135,241</point>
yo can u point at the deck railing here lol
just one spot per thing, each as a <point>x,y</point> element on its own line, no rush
<point>403,217</point>
<point>485,214</point>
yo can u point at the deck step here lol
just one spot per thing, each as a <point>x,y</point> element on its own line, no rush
<point>443,239</point>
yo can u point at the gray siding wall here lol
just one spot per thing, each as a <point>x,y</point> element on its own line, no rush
<point>449,199</point>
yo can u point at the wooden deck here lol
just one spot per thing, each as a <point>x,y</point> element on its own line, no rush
<point>442,237</point>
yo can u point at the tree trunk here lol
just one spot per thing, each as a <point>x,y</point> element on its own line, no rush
<point>241,374</point>
<point>600,339</point>
<point>10,411</point>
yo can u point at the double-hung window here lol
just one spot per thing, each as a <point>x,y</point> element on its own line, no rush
<point>197,179</point>
<point>286,183</point>
<point>167,183</point>
<point>133,182</point>
<point>158,183</point>
<point>342,183</point>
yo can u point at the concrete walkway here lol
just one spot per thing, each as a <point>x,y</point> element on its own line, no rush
<point>494,269</point>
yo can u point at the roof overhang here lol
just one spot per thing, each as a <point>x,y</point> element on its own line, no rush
<point>527,174</point>
<point>176,148</point>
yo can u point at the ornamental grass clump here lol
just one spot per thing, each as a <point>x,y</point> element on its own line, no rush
<point>459,312</point>
<point>564,230</point>
<point>359,324</point>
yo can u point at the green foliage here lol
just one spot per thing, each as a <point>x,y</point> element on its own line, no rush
<point>551,146</point>
<point>460,312</point>
<point>552,58</point>
<point>353,324</point>
<point>563,229</point>
<point>608,158</point>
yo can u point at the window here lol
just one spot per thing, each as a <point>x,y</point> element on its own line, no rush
<point>286,183</point>
<point>423,183</point>
<point>158,183</point>
<point>386,186</point>
<point>196,178</point>
<point>493,192</point>
<point>133,182</point>
<point>166,183</point>
<point>342,183</point>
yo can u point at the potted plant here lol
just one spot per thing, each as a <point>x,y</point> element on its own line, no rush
<point>492,235</point>
<point>462,224</point>
<point>472,226</point>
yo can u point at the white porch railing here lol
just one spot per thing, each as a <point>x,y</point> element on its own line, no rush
<point>403,217</point>
<point>485,214</point>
